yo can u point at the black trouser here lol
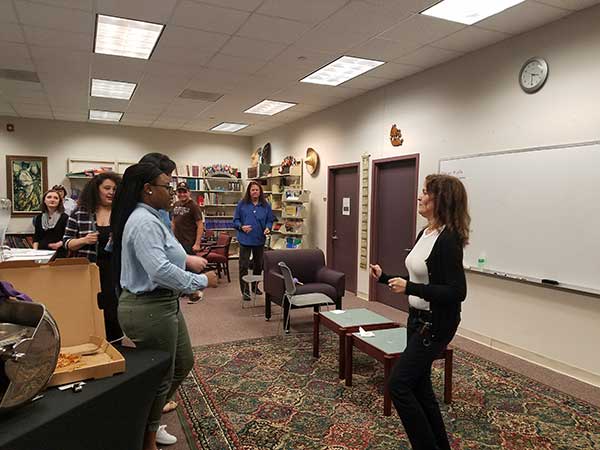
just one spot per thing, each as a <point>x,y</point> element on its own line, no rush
<point>411,389</point>
<point>257,263</point>
<point>108,301</point>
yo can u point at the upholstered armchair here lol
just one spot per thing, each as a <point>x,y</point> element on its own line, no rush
<point>308,267</point>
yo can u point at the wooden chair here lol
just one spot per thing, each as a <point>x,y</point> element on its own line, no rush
<point>217,254</point>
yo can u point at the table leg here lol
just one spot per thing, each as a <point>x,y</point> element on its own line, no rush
<point>448,357</point>
<point>387,401</point>
<point>267,307</point>
<point>348,359</point>
<point>342,355</point>
<point>316,322</point>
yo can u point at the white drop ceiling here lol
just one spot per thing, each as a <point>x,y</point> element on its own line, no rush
<point>247,50</point>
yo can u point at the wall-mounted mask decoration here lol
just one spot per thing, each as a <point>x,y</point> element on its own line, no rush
<point>396,136</point>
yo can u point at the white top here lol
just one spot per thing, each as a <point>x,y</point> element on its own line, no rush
<point>417,269</point>
<point>69,205</point>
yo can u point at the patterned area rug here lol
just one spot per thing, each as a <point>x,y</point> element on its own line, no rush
<point>270,393</point>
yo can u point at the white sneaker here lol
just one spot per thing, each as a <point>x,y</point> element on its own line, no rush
<point>164,438</point>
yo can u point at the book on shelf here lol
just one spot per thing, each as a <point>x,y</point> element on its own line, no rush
<point>213,223</point>
<point>195,170</point>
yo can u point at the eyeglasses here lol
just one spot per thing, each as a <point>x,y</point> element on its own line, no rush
<point>168,187</point>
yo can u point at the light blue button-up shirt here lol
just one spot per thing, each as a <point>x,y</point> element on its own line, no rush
<point>152,258</point>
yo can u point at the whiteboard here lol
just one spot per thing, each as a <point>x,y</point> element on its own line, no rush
<point>535,213</point>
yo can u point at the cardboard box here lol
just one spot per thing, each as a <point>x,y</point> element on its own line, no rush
<point>69,288</point>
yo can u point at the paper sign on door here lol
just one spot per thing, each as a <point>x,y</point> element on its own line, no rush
<point>346,206</point>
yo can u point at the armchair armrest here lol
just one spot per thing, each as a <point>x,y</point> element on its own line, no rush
<point>333,278</point>
<point>274,285</point>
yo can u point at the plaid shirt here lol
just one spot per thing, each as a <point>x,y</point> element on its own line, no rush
<point>79,225</point>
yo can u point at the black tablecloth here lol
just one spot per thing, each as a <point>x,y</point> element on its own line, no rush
<point>108,414</point>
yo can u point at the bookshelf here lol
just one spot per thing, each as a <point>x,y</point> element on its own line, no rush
<point>288,201</point>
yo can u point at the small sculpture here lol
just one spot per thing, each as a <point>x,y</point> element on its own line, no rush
<point>396,136</point>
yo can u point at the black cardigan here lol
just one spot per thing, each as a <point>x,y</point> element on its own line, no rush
<point>45,237</point>
<point>447,286</point>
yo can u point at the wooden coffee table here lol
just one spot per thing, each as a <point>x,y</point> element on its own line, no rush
<point>387,347</point>
<point>347,322</point>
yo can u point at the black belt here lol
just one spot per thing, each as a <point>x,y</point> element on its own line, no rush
<point>421,314</point>
<point>157,292</point>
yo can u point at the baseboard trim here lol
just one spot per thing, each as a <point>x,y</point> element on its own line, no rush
<point>362,295</point>
<point>532,357</point>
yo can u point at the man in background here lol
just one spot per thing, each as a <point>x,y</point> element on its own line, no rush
<point>187,226</point>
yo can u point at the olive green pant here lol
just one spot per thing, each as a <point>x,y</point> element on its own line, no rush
<point>155,322</point>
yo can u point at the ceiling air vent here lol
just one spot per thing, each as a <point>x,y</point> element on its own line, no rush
<point>19,75</point>
<point>199,95</point>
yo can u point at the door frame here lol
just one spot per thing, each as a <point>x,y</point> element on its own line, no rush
<point>331,207</point>
<point>376,166</point>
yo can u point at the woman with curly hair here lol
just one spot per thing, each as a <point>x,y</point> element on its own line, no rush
<point>436,286</point>
<point>87,235</point>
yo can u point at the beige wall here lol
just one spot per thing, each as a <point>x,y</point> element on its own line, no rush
<point>60,140</point>
<point>474,105</point>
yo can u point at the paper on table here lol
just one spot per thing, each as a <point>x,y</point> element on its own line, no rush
<point>364,333</point>
<point>338,311</point>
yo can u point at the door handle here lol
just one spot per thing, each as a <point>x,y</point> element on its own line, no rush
<point>334,237</point>
<point>408,250</point>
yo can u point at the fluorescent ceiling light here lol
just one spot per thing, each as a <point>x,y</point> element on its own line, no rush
<point>341,70</point>
<point>269,107</point>
<point>126,37</point>
<point>107,116</point>
<point>121,90</point>
<point>229,127</point>
<point>468,11</point>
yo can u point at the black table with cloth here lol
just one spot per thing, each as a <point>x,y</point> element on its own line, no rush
<point>108,414</point>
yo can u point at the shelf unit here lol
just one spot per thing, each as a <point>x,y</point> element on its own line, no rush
<point>76,168</point>
<point>289,230</point>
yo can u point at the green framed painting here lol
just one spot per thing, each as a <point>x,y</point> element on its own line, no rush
<point>26,182</point>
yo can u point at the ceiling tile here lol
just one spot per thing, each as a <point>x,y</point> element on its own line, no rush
<point>138,106</point>
<point>309,11</point>
<point>522,17</point>
<point>573,5</point>
<point>315,94</point>
<point>62,39</point>
<point>58,60</point>
<point>7,13</point>
<point>132,116</point>
<point>71,116</point>
<point>273,29</point>
<point>64,19</point>
<point>428,56</point>
<point>235,63</point>
<point>182,56</point>
<point>169,122</point>
<point>67,102</point>
<point>252,48</point>
<point>384,49</point>
<point>364,17</point>
<point>15,56</point>
<point>85,5</point>
<point>394,71</point>
<point>421,29</point>
<point>109,67</point>
<point>244,5</point>
<point>157,11</point>
<point>11,32</point>
<point>25,109</point>
<point>208,18</point>
<point>405,5</point>
<point>33,97</point>
<point>214,80</point>
<point>470,39</point>
<point>366,82</point>
<point>194,39</point>
<point>324,40</point>
<point>6,109</point>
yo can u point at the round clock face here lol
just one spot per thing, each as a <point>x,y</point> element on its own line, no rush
<point>533,75</point>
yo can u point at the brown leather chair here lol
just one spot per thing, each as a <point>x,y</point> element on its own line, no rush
<point>308,267</point>
<point>217,255</point>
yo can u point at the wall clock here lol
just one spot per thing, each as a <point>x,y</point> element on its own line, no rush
<point>533,74</point>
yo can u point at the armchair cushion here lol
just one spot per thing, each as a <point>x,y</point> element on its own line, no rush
<point>323,288</point>
<point>332,278</point>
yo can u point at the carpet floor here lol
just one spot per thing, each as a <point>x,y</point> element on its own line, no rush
<point>270,393</point>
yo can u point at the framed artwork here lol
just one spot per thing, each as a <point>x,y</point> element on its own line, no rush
<point>26,182</point>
